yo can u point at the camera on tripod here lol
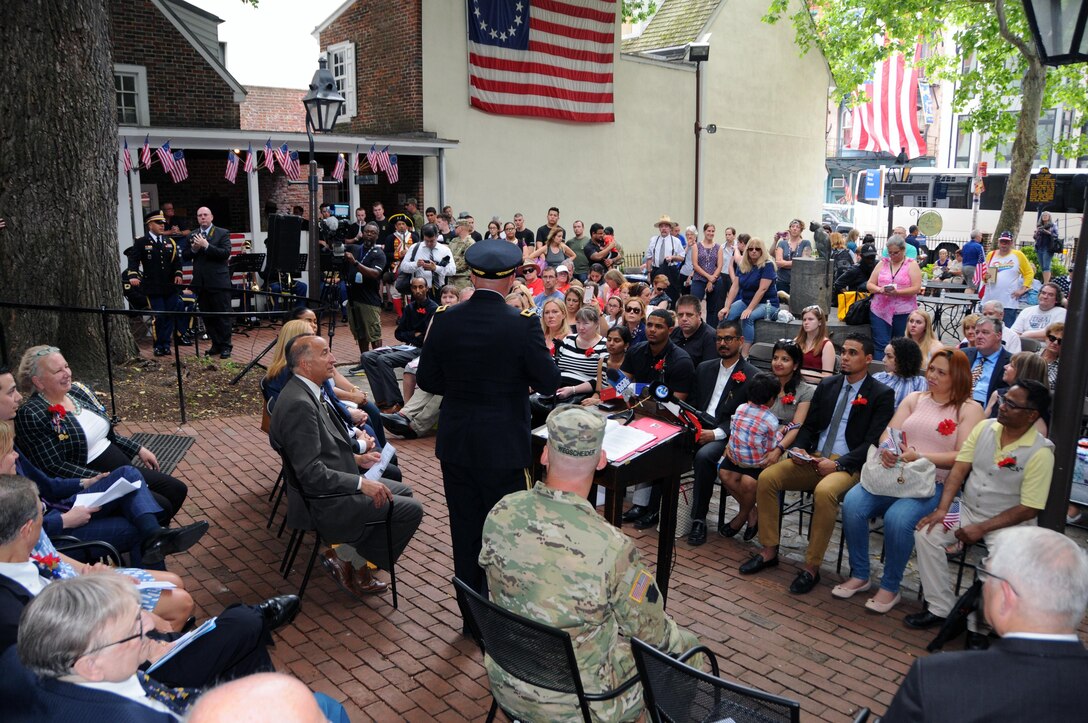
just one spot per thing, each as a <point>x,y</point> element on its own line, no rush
<point>332,233</point>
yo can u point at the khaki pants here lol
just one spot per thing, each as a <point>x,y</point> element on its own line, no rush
<point>934,570</point>
<point>827,493</point>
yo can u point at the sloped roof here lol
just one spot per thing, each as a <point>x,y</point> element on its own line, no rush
<point>677,22</point>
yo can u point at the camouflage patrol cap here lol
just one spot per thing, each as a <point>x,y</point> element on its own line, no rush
<point>575,431</point>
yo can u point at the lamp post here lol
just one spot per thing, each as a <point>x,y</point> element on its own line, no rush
<point>1058,28</point>
<point>699,53</point>
<point>323,106</point>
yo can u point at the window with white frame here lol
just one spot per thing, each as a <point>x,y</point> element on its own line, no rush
<point>342,65</point>
<point>130,88</point>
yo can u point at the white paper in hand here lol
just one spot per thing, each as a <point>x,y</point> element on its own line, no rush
<point>374,473</point>
<point>117,490</point>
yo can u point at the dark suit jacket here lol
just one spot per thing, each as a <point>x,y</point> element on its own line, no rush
<point>483,356</point>
<point>43,444</point>
<point>734,394</point>
<point>57,700</point>
<point>996,380</point>
<point>1015,680</point>
<point>13,598</point>
<point>866,423</point>
<point>210,264</point>
<point>322,459</point>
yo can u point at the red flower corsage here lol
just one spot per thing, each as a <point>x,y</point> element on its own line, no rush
<point>660,366</point>
<point>947,427</point>
<point>49,564</point>
<point>859,402</point>
<point>739,377</point>
<point>1007,463</point>
<point>57,410</point>
<point>589,352</point>
<point>421,311</point>
<point>788,399</point>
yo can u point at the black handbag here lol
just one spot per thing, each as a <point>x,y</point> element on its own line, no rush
<point>858,313</point>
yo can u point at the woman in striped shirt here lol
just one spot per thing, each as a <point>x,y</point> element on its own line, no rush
<point>578,357</point>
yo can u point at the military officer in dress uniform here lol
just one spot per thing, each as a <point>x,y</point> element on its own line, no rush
<point>159,280</point>
<point>483,357</point>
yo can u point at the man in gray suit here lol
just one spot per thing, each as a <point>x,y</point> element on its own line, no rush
<point>319,448</point>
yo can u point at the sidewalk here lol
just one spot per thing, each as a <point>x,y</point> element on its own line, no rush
<point>413,664</point>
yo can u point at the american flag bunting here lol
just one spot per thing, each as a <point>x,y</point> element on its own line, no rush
<point>232,166</point>
<point>178,170</point>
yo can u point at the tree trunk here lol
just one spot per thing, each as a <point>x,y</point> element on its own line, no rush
<point>58,181</point>
<point>1023,149</point>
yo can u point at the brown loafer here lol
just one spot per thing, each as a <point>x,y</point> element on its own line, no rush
<point>341,572</point>
<point>367,584</point>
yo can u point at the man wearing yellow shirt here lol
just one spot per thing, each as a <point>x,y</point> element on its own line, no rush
<point>1007,465</point>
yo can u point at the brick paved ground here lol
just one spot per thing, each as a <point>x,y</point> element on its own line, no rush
<point>413,664</point>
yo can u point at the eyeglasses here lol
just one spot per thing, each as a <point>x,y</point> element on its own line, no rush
<point>139,634</point>
<point>983,574</point>
<point>633,309</point>
<point>1004,401</point>
<point>727,339</point>
<point>1056,339</point>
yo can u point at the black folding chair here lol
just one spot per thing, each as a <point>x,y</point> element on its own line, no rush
<point>532,652</point>
<point>74,547</point>
<point>676,692</point>
<point>276,495</point>
<point>302,522</point>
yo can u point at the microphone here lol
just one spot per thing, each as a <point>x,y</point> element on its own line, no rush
<point>621,384</point>
<point>662,393</point>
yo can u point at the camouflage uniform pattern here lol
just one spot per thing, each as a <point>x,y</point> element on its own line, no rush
<point>458,248</point>
<point>550,557</point>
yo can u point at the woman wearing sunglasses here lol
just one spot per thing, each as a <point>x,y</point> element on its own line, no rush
<point>634,318</point>
<point>1052,351</point>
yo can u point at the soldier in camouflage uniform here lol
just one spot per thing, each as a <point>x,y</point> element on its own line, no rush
<point>459,244</point>
<point>550,557</point>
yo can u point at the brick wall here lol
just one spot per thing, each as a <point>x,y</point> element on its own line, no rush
<point>388,65</point>
<point>273,109</point>
<point>204,187</point>
<point>183,89</point>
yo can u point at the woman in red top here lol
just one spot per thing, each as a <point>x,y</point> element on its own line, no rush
<point>819,352</point>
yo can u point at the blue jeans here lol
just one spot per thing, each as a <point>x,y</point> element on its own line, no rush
<point>883,332</point>
<point>900,514</point>
<point>1045,256</point>
<point>749,324</point>
<point>1010,316</point>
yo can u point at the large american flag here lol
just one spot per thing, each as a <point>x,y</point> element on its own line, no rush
<point>178,170</point>
<point>543,58</point>
<point>166,158</point>
<point>232,166</point>
<point>889,121</point>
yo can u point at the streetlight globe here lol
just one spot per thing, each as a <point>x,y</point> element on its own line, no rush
<point>323,102</point>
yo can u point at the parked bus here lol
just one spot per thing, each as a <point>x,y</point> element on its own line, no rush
<point>948,192</point>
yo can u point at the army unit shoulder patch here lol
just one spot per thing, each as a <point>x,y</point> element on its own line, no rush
<point>643,584</point>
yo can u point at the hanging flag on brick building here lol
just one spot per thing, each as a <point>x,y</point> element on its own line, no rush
<point>281,155</point>
<point>372,157</point>
<point>339,168</point>
<point>232,166</point>
<point>166,157</point>
<point>145,154</point>
<point>543,58</point>
<point>251,160</point>
<point>382,159</point>
<point>269,161</point>
<point>179,171</point>
<point>126,158</point>
<point>291,167</point>
<point>392,171</point>
<point>889,121</point>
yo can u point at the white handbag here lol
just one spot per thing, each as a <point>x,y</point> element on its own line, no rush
<point>917,479</point>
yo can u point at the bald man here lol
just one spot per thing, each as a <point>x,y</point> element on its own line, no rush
<point>265,697</point>
<point>208,248</point>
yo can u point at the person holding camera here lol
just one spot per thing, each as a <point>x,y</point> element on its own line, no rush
<point>362,271</point>
<point>208,249</point>
<point>430,260</point>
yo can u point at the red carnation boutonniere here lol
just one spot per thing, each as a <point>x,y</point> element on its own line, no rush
<point>739,377</point>
<point>48,564</point>
<point>859,402</point>
<point>58,411</point>
<point>660,366</point>
<point>1007,463</point>
<point>947,427</point>
<point>788,399</point>
<point>421,311</point>
<point>589,352</point>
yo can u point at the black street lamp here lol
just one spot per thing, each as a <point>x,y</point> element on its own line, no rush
<point>1058,27</point>
<point>323,106</point>
<point>699,53</point>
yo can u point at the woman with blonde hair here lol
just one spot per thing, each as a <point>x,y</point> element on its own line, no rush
<point>553,321</point>
<point>634,318</point>
<point>920,331</point>
<point>819,352</point>
<point>613,282</point>
<point>752,290</point>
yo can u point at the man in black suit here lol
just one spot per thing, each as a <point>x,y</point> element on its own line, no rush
<point>321,451</point>
<point>718,390</point>
<point>848,414</point>
<point>483,356</point>
<point>1035,589</point>
<point>988,359</point>
<point>208,249</point>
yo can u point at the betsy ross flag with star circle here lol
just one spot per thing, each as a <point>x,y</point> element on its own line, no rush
<point>543,58</point>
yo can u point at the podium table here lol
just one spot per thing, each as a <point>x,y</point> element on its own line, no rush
<point>663,463</point>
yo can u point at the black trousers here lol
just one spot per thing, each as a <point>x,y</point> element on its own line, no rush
<point>168,491</point>
<point>471,492</point>
<point>218,327</point>
<point>238,646</point>
<point>706,477</point>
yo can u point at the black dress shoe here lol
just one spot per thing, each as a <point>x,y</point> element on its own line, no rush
<point>976,641</point>
<point>726,530</point>
<point>750,531</point>
<point>698,533</point>
<point>756,563</point>
<point>279,611</point>
<point>190,623</point>
<point>399,425</point>
<point>171,541</point>
<point>634,513</point>
<point>647,521</point>
<point>923,620</point>
<point>804,582</point>
<point>185,340</point>
<point>212,350</point>
<point>225,352</point>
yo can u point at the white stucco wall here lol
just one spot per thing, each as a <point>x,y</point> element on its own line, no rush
<point>764,166</point>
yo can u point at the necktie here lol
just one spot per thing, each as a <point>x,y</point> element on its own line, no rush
<point>334,415</point>
<point>836,420</point>
<point>976,372</point>
<point>177,700</point>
